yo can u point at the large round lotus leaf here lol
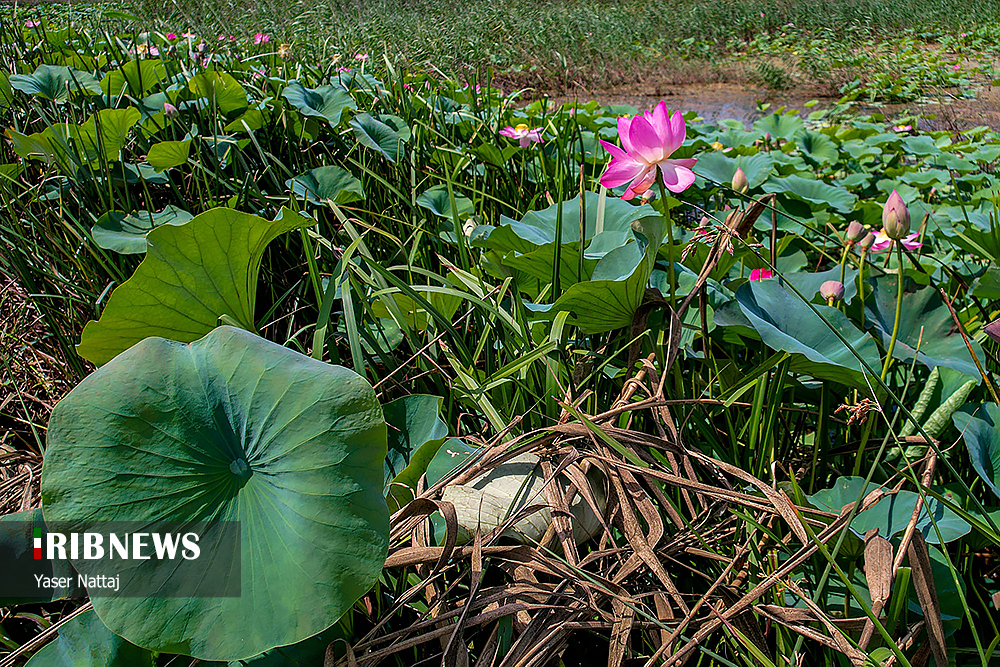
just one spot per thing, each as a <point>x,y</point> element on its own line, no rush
<point>54,82</point>
<point>925,323</point>
<point>327,102</point>
<point>538,228</point>
<point>85,642</point>
<point>892,514</point>
<point>721,168</point>
<point>231,428</point>
<point>813,191</point>
<point>816,146</point>
<point>980,427</point>
<point>617,286</point>
<point>126,233</point>
<point>17,561</point>
<point>785,322</point>
<point>783,126</point>
<point>193,275</point>
<point>329,183</point>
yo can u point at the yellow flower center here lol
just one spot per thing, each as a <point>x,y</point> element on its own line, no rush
<point>521,127</point>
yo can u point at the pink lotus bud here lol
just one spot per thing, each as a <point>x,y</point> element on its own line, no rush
<point>867,241</point>
<point>832,291</point>
<point>855,231</point>
<point>993,330</point>
<point>169,110</point>
<point>740,182</point>
<point>895,217</point>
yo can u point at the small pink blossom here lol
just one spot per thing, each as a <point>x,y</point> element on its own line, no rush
<point>31,23</point>
<point>361,57</point>
<point>964,34</point>
<point>956,67</point>
<point>648,141</point>
<point>524,135</point>
<point>760,274</point>
<point>883,242</point>
<point>343,69</point>
<point>902,128</point>
<point>188,35</point>
<point>261,38</point>
<point>171,36</point>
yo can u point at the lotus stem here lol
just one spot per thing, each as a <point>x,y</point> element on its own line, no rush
<point>899,311</point>
<point>670,241</point>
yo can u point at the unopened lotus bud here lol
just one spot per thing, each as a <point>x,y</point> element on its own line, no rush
<point>867,241</point>
<point>855,231</point>
<point>740,182</point>
<point>169,110</point>
<point>895,217</point>
<point>767,137</point>
<point>832,291</point>
<point>993,330</point>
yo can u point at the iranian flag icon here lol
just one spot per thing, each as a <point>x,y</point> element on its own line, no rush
<point>38,544</point>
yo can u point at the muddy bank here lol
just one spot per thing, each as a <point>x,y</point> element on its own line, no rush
<point>747,102</point>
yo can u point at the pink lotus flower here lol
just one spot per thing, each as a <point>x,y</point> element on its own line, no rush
<point>649,140</point>
<point>956,67</point>
<point>32,23</point>
<point>171,36</point>
<point>902,128</point>
<point>362,57</point>
<point>883,242</point>
<point>261,38</point>
<point>760,274</point>
<point>524,135</point>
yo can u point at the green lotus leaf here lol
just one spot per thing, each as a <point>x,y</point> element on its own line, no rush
<point>782,126</point>
<point>85,642</point>
<point>812,191</point>
<point>17,560</point>
<point>891,514</point>
<point>921,145</point>
<point>721,168</point>
<point>926,322</point>
<point>538,264</point>
<point>437,201</point>
<point>6,91</point>
<point>817,147</point>
<point>415,433</point>
<point>136,78</point>
<point>327,102</point>
<point>99,139</point>
<point>221,89</point>
<point>329,183</point>
<point>192,276</point>
<point>381,134</point>
<point>230,427</point>
<point>126,233</point>
<point>451,455</point>
<point>167,154</point>
<point>54,82</point>
<point>538,228</point>
<point>980,427</point>
<point>809,283</point>
<point>617,286</point>
<point>786,323</point>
